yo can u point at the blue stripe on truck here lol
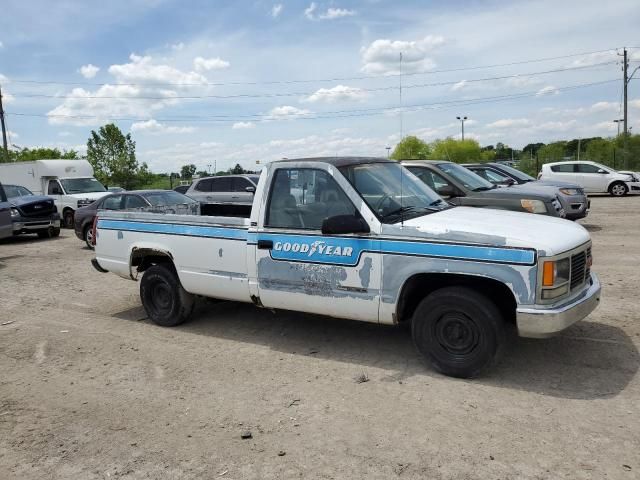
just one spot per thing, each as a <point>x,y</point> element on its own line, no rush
<point>332,249</point>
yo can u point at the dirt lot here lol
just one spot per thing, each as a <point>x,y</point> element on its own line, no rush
<point>91,389</point>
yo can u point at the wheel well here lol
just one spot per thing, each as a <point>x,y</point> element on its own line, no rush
<point>616,182</point>
<point>67,209</point>
<point>419,286</point>
<point>143,258</point>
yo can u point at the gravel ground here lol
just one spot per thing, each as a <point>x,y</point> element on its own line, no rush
<point>89,388</point>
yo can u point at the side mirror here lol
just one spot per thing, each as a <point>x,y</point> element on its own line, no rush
<point>509,181</point>
<point>601,171</point>
<point>341,224</point>
<point>251,189</point>
<point>447,191</point>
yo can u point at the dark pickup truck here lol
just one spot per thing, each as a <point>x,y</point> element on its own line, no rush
<point>463,187</point>
<point>32,213</point>
<point>6,229</point>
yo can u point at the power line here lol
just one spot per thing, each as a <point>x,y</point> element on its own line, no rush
<point>299,94</point>
<point>324,115</point>
<point>319,80</point>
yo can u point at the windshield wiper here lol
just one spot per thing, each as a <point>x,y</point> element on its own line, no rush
<point>408,208</point>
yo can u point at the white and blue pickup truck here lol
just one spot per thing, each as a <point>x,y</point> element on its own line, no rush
<point>364,239</point>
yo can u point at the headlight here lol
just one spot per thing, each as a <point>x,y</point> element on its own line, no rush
<point>15,212</point>
<point>534,206</point>
<point>570,191</point>
<point>555,278</point>
<point>84,202</point>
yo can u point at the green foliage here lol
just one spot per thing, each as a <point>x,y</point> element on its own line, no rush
<point>532,149</point>
<point>41,153</point>
<point>113,157</point>
<point>411,148</point>
<point>553,152</point>
<point>187,171</point>
<point>237,170</point>
<point>459,151</point>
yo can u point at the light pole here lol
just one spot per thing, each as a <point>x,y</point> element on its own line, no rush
<point>462,119</point>
<point>388,150</point>
<point>618,122</point>
<point>209,167</point>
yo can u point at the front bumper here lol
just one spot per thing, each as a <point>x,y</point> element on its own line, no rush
<point>30,225</point>
<point>634,187</point>
<point>546,321</point>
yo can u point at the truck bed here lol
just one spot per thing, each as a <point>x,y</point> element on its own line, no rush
<point>210,252</point>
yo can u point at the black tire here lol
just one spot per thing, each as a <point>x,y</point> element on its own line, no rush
<point>167,304</point>
<point>459,331</point>
<point>67,219</point>
<point>618,189</point>
<point>88,236</point>
<point>49,232</point>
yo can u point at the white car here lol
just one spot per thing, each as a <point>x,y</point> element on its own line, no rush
<point>592,176</point>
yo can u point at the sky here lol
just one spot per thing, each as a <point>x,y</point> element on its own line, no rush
<point>217,83</point>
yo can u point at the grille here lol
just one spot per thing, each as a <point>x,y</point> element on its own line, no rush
<point>578,269</point>
<point>38,209</point>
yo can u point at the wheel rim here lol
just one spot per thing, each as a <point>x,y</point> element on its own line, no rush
<point>457,334</point>
<point>68,219</point>
<point>618,190</point>
<point>161,298</point>
<point>88,237</point>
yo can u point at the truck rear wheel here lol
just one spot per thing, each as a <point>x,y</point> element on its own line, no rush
<point>167,304</point>
<point>459,331</point>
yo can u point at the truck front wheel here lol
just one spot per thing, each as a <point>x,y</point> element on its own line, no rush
<point>460,331</point>
<point>67,218</point>
<point>167,304</point>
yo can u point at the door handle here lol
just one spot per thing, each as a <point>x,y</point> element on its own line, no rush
<point>265,244</point>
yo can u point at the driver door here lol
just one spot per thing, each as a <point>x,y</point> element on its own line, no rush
<point>299,267</point>
<point>6,226</point>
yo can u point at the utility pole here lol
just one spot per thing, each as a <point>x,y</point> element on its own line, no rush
<point>400,91</point>
<point>4,130</point>
<point>625,67</point>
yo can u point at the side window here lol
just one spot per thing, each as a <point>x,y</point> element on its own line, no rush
<point>54,188</point>
<point>134,201</point>
<point>221,184</point>
<point>112,203</point>
<point>304,198</point>
<point>3,196</point>
<point>493,176</point>
<point>240,184</point>
<point>586,168</point>
<point>563,168</point>
<point>483,172</point>
<point>431,179</point>
<point>204,185</point>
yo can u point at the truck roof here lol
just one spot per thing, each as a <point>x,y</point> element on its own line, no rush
<point>339,161</point>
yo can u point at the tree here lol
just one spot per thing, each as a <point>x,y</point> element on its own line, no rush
<point>531,149</point>
<point>237,170</point>
<point>187,171</point>
<point>411,148</point>
<point>553,152</point>
<point>41,153</point>
<point>113,157</point>
<point>459,151</point>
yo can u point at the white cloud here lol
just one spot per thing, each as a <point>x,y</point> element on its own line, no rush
<point>64,134</point>
<point>635,103</point>
<point>243,125</point>
<point>276,10</point>
<point>12,135</point>
<point>459,86</point>
<point>1,45</point>
<point>286,112</point>
<point>206,64</point>
<point>594,58</point>
<point>605,107</point>
<point>333,13</point>
<point>336,94</point>
<point>177,47</point>
<point>510,123</point>
<point>309,11</point>
<point>548,90</point>
<point>155,127</point>
<point>330,14</point>
<point>383,56</point>
<point>141,87</point>
<point>606,126</point>
<point>88,71</point>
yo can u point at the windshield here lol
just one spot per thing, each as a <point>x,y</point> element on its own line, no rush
<point>254,179</point>
<point>81,185</point>
<point>517,173</point>
<point>16,191</point>
<point>466,177</point>
<point>392,191</point>
<point>167,198</point>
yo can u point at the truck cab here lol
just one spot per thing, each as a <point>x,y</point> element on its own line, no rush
<point>364,239</point>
